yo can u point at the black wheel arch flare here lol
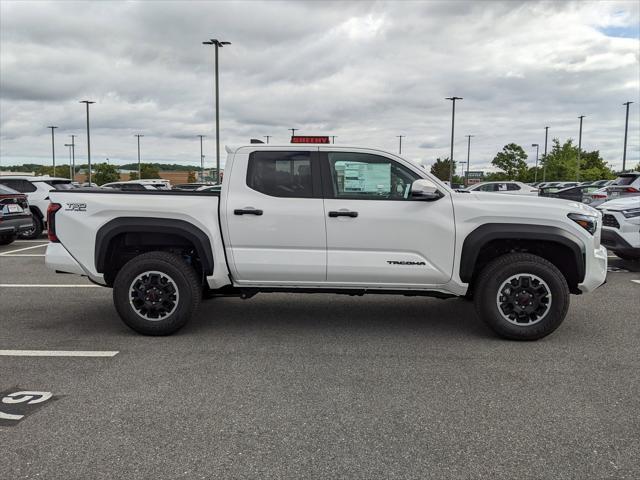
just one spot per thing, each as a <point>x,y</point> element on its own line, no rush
<point>481,236</point>
<point>117,226</point>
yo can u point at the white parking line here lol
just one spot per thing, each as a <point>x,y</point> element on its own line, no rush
<point>31,241</point>
<point>46,285</point>
<point>58,353</point>
<point>26,255</point>
<point>635,281</point>
<point>22,249</point>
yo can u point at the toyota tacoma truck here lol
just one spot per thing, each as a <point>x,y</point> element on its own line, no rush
<point>326,219</point>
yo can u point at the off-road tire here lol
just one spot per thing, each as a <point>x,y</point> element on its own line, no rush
<point>500,270</point>
<point>182,277</point>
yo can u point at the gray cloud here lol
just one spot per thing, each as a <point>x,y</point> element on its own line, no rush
<point>363,71</point>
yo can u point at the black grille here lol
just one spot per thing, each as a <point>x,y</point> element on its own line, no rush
<point>610,221</point>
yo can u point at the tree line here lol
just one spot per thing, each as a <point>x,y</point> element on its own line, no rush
<point>560,164</point>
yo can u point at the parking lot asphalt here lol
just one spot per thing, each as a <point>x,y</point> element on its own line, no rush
<point>317,386</point>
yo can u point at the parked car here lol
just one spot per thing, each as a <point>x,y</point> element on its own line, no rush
<point>621,226</point>
<point>510,187</point>
<point>602,183</point>
<point>626,185</point>
<point>554,187</point>
<point>15,216</point>
<point>596,198</point>
<point>577,193</point>
<point>323,218</point>
<point>37,189</point>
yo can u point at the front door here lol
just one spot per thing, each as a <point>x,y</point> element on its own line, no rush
<point>275,218</point>
<point>376,234</point>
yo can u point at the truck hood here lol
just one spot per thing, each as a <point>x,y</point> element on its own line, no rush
<point>540,204</point>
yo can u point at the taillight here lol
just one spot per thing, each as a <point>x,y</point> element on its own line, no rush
<point>631,189</point>
<point>51,221</point>
<point>598,195</point>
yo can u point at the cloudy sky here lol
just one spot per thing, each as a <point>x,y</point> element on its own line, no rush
<point>364,71</point>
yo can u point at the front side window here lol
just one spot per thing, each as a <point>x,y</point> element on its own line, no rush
<point>281,174</point>
<point>366,176</point>
<point>488,187</point>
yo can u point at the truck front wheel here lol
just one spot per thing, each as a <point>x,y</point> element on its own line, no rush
<point>521,296</point>
<point>155,293</point>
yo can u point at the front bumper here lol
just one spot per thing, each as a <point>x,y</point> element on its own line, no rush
<point>595,270</point>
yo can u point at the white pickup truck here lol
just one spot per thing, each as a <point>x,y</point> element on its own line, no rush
<point>328,219</point>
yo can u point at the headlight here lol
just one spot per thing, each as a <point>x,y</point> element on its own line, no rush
<point>632,212</point>
<point>588,222</point>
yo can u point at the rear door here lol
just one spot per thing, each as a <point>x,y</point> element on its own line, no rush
<point>275,217</point>
<point>376,234</point>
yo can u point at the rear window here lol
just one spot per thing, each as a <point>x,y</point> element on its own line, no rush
<point>4,190</point>
<point>60,184</point>
<point>281,174</point>
<point>19,185</point>
<point>626,179</point>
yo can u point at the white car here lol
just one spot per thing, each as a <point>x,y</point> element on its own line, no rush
<point>329,219</point>
<point>621,226</point>
<point>37,189</point>
<point>510,187</point>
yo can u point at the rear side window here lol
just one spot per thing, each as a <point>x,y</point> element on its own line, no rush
<point>512,186</point>
<point>281,174</point>
<point>4,190</point>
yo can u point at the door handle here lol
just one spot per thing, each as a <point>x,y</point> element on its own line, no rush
<point>247,211</point>
<point>343,213</point>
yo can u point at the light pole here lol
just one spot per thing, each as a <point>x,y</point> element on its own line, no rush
<point>139,165</point>
<point>579,148</point>
<point>218,44</point>
<point>544,166</point>
<point>267,137</point>
<point>453,120</point>
<point>400,137</point>
<point>535,176</point>
<point>201,160</point>
<point>626,127</point>
<point>293,131</point>
<point>333,138</point>
<point>73,157</point>
<point>466,177</point>
<point>70,146</point>
<point>53,149</point>
<point>88,102</point>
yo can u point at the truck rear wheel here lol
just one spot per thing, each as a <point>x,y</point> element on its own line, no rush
<point>156,293</point>
<point>521,296</point>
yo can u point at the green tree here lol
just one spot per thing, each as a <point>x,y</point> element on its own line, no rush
<point>442,168</point>
<point>191,177</point>
<point>62,171</point>
<point>562,163</point>
<point>148,170</point>
<point>133,175</point>
<point>104,173</point>
<point>512,161</point>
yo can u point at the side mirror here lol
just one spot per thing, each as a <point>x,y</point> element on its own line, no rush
<point>425,190</point>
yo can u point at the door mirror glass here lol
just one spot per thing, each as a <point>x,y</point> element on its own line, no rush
<point>423,189</point>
